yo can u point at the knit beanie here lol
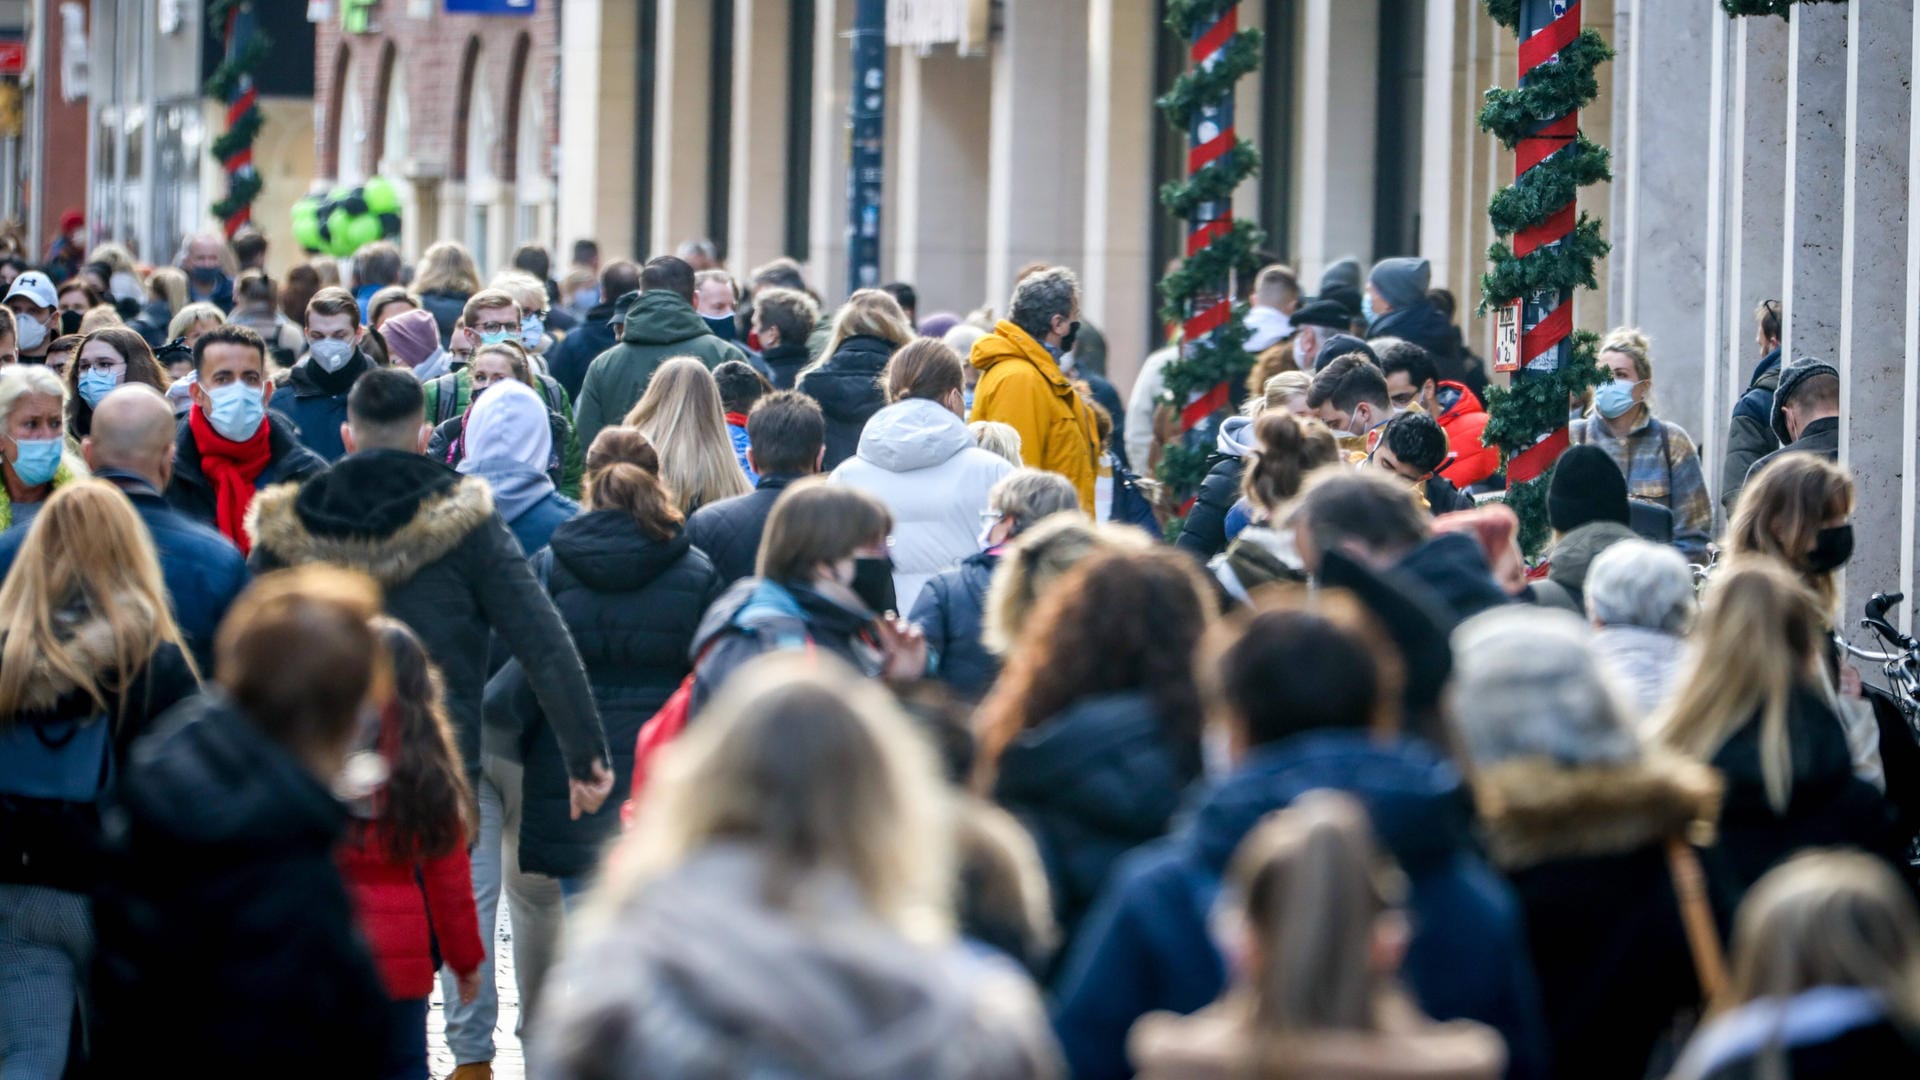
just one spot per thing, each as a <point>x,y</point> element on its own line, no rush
<point>1587,486</point>
<point>1403,281</point>
<point>1791,376</point>
<point>412,337</point>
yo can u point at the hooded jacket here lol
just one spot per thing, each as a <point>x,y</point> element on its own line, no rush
<point>1750,434</point>
<point>951,611</point>
<point>412,911</point>
<point>223,919</point>
<point>661,326</point>
<point>1573,556</point>
<point>632,604</point>
<point>700,978</point>
<point>920,459</point>
<point>316,401</point>
<point>1090,784</point>
<point>756,616</point>
<point>447,566</point>
<point>1021,384</point>
<point>1464,419</point>
<point>191,493</point>
<point>1258,556</point>
<point>1421,323</point>
<point>847,386</point>
<point>1455,569</point>
<point>568,361</point>
<point>1147,945</point>
<point>1205,531</point>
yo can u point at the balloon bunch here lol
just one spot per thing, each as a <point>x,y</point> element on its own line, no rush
<point>345,220</point>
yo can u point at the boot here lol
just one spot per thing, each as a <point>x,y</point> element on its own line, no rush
<point>478,1070</point>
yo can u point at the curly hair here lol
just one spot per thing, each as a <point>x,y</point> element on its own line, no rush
<point>1122,620</point>
<point>425,804</point>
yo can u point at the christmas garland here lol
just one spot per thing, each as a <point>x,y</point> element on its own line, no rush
<point>1536,215</point>
<point>1768,7</point>
<point>1213,353</point>
<point>232,83</point>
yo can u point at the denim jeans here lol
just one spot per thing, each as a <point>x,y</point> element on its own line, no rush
<point>533,906</point>
<point>46,943</point>
<point>407,1051</point>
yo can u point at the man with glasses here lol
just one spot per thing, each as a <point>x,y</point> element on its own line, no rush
<point>492,316</point>
<point>1750,436</point>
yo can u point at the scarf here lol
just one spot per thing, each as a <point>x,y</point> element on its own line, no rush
<point>232,468</point>
<point>739,420</point>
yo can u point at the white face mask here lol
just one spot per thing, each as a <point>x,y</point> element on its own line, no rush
<point>30,333</point>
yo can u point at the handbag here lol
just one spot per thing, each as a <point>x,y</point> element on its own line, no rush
<point>1696,918</point>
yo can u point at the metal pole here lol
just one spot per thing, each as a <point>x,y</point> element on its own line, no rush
<point>866,169</point>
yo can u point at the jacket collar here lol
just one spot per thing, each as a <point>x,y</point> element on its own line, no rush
<point>1538,811</point>
<point>1008,343</point>
<point>315,521</point>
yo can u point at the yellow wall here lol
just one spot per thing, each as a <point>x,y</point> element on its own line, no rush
<point>284,156</point>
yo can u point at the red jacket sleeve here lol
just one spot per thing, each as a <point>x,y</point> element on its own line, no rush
<point>1472,460</point>
<point>456,923</point>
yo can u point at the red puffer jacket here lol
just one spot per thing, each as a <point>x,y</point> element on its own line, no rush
<point>1463,418</point>
<point>402,915</point>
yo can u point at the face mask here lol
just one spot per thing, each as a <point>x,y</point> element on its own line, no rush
<point>1366,305</point>
<point>721,326</point>
<point>205,275</point>
<point>70,322</point>
<point>96,384</point>
<point>1073,335</point>
<point>873,583</point>
<point>966,398</point>
<point>586,298</point>
<point>496,339</point>
<point>331,355</point>
<point>237,411</point>
<point>30,333</point>
<point>1614,399</point>
<point>125,286</point>
<point>533,330</point>
<point>36,460</point>
<point>1831,549</point>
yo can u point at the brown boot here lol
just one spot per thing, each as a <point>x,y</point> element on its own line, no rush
<point>478,1070</point>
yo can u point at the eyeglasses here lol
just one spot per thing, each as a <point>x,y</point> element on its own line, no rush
<point>114,367</point>
<point>497,327</point>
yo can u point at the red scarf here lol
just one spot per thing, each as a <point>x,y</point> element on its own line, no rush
<point>737,419</point>
<point>232,467</point>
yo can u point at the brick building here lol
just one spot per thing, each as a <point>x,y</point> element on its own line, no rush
<point>458,110</point>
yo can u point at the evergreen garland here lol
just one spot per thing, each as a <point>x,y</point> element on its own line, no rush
<point>1220,357</point>
<point>243,187</point>
<point>1768,7</point>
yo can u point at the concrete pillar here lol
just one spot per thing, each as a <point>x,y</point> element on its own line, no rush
<point>832,78</point>
<point>682,85</point>
<point>1444,130</point>
<point>1596,120</point>
<point>1334,156</point>
<point>1756,171</point>
<point>1036,177</point>
<point>1660,205</point>
<point>758,188</point>
<point>940,184</point>
<point>1718,385</point>
<point>597,98</point>
<point>1481,162</point>
<point>1118,274</point>
<point>1816,162</point>
<point>1910,419</point>
<point>1875,394</point>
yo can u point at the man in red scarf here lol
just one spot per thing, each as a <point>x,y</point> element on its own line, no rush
<point>230,447</point>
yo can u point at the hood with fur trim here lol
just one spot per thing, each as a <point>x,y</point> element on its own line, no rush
<point>386,514</point>
<point>89,643</point>
<point>1536,811</point>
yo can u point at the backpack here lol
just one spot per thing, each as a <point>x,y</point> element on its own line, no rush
<point>60,761</point>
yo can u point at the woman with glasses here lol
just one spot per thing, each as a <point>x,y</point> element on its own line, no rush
<point>106,360</point>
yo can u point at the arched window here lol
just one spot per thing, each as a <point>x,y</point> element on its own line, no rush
<point>531,162</point>
<point>393,130</point>
<point>336,106</point>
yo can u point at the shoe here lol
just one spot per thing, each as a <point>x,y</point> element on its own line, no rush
<point>478,1070</point>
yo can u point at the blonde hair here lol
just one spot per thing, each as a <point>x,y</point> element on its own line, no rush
<point>447,267</point>
<point>99,317</point>
<point>169,283</point>
<point>529,293</point>
<point>1780,515</point>
<point>87,546</point>
<point>998,438</point>
<point>818,771</point>
<point>1631,342</point>
<point>193,315</point>
<point>1286,385</point>
<point>680,414</point>
<point>867,313</point>
<point>1760,638</point>
<point>1039,557</point>
<point>119,260</point>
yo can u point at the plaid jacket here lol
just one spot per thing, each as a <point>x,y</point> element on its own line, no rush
<point>1661,466</point>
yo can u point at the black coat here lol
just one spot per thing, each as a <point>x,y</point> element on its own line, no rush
<point>1090,784</point>
<point>446,308</point>
<point>1205,531</point>
<point>224,925</point>
<point>847,386</point>
<point>1821,437</point>
<point>1423,325</point>
<point>729,530</point>
<point>951,610</point>
<point>568,362</point>
<point>1875,1049</point>
<point>447,566</point>
<point>632,604</point>
<point>191,493</point>
<point>785,361</point>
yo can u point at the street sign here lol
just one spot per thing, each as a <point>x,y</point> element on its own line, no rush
<point>13,57</point>
<point>1506,338</point>
<point>489,7</point>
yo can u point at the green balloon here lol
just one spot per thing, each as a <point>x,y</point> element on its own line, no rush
<point>306,232</point>
<point>338,224</point>
<point>363,230</point>
<point>382,197</point>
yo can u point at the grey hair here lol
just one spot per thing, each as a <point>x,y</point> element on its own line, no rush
<point>997,438</point>
<point>1527,685</point>
<point>1640,583</point>
<point>1042,295</point>
<point>1027,495</point>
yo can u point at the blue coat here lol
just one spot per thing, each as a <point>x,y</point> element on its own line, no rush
<point>317,403</point>
<point>203,572</point>
<point>534,526</point>
<point>951,610</point>
<point>1145,945</point>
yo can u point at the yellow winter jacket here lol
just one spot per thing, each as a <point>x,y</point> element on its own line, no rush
<point>1021,384</point>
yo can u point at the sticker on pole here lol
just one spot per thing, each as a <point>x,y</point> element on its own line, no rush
<point>1506,338</point>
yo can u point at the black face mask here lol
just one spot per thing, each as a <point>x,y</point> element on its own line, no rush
<point>1831,549</point>
<point>873,584</point>
<point>70,322</point>
<point>1072,335</point>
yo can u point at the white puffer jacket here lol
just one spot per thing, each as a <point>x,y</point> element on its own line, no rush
<point>921,461</point>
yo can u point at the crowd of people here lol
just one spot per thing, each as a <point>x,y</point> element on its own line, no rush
<point>830,692</point>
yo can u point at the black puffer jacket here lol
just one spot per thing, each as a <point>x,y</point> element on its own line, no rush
<point>729,530</point>
<point>1091,784</point>
<point>632,604</point>
<point>448,567</point>
<point>951,610</point>
<point>847,386</point>
<point>223,919</point>
<point>1205,530</point>
<point>785,361</point>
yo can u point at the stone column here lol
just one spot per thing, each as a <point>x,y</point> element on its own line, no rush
<point>1334,156</point>
<point>1816,162</point>
<point>1876,393</point>
<point>1445,125</point>
<point>757,192</point>
<point>832,85</point>
<point>1036,179</point>
<point>1910,419</point>
<point>940,185</point>
<point>1117,276</point>
<point>1755,222</point>
<point>597,98</point>
<point>682,61</point>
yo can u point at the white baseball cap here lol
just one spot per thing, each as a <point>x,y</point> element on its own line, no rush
<point>37,287</point>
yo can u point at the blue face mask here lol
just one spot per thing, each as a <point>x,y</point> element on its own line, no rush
<point>1615,399</point>
<point>1366,304</point>
<point>966,397</point>
<point>496,339</point>
<point>36,460</point>
<point>533,330</point>
<point>96,384</point>
<point>237,411</point>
